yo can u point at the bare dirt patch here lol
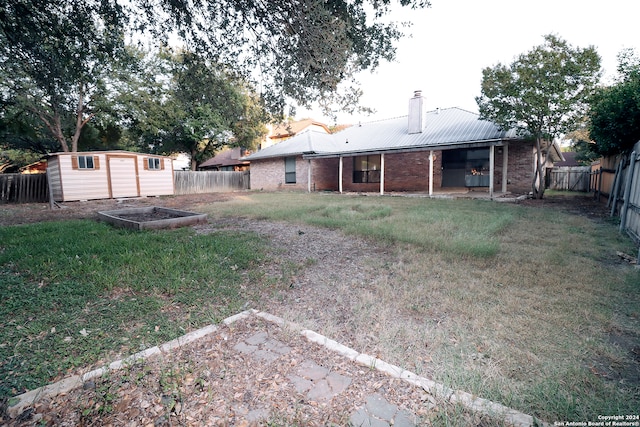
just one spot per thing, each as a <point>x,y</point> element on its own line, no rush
<point>13,214</point>
<point>583,205</point>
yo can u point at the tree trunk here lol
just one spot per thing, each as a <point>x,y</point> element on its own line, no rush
<point>537,184</point>
<point>194,162</point>
<point>80,122</point>
<point>52,122</point>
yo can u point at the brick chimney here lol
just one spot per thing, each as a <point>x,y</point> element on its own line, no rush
<point>415,113</point>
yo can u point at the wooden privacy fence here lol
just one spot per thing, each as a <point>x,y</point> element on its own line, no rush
<point>567,178</point>
<point>196,182</point>
<point>23,188</point>
<point>630,211</point>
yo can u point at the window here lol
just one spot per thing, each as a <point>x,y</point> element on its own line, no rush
<point>290,170</point>
<point>85,162</point>
<point>153,163</point>
<point>366,169</point>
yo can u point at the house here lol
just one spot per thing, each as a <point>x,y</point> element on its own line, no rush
<point>34,168</point>
<point>108,175</point>
<point>229,159</point>
<point>282,166</point>
<point>284,131</point>
<point>570,160</point>
<point>441,150</point>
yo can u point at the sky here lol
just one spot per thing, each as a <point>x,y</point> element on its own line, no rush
<point>454,40</point>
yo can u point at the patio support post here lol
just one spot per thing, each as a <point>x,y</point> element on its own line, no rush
<point>340,175</point>
<point>309,176</point>
<point>431,173</point>
<point>492,156</point>
<point>505,163</point>
<point>381,174</point>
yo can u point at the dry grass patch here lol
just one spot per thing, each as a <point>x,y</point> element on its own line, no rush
<point>526,320</point>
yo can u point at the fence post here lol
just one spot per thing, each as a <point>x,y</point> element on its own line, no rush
<point>49,187</point>
<point>616,186</point>
<point>627,192</point>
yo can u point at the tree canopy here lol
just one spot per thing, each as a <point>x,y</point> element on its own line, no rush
<point>305,51</point>
<point>54,56</point>
<point>543,94</point>
<point>180,102</point>
<point>58,51</point>
<point>615,110</point>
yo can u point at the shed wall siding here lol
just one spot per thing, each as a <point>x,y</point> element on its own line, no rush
<point>115,177</point>
<point>53,175</point>
<point>155,182</point>
<point>83,184</point>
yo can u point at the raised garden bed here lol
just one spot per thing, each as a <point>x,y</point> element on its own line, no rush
<point>152,217</point>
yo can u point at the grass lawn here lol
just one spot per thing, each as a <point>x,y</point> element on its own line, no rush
<point>528,307</point>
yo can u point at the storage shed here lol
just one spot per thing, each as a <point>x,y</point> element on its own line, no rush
<point>108,175</point>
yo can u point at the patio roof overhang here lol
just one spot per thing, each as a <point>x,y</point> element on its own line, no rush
<point>498,142</point>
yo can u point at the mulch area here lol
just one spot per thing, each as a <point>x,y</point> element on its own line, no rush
<point>211,382</point>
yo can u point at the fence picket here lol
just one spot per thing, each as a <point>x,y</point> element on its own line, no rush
<point>197,182</point>
<point>20,188</point>
<point>569,178</point>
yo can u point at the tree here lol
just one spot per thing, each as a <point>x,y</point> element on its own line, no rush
<point>542,94</point>
<point>580,142</point>
<point>182,103</point>
<point>304,51</point>
<point>615,110</point>
<point>57,54</point>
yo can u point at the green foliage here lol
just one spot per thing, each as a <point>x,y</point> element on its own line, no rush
<point>542,93</point>
<point>615,110</point>
<point>75,291</point>
<point>59,54</point>
<point>55,56</point>
<point>181,102</point>
<point>12,160</point>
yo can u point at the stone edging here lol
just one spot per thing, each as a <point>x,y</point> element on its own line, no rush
<point>19,403</point>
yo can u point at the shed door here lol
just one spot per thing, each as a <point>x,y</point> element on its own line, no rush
<point>123,176</point>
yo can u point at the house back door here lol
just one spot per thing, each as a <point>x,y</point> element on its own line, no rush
<point>453,168</point>
<point>465,168</point>
<point>123,176</point>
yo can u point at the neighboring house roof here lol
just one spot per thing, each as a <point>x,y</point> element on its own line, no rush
<point>33,168</point>
<point>569,159</point>
<point>286,130</point>
<point>442,128</point>
<point>228,157</point>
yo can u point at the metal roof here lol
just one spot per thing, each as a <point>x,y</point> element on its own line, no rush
<point>443,128</point>
<point>306,142</point>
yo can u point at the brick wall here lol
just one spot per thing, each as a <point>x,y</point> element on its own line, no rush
<point>403,172</point>
<point>268,174</point>
<point>520,167</point>
<point>324,174</point>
